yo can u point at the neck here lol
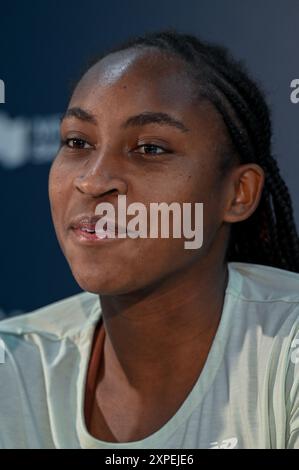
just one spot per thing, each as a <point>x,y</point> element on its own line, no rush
<point>152,335</point>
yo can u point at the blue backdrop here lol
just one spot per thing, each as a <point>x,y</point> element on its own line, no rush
<point>44,45</point>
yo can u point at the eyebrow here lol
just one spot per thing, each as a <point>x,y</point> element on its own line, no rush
<point>138,120</point>
<point>154,118</point>
<point>79,113</point>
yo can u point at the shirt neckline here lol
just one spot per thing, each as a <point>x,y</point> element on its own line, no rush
<point>193,399</point>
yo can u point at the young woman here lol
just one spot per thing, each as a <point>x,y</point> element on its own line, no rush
<point>166,347</point>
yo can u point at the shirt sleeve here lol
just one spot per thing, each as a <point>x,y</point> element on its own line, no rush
<point>292,394</point>
<point>21,395</point>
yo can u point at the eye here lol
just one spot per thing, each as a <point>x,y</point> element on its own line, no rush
<point>75,143</point>
<point>151,149</point>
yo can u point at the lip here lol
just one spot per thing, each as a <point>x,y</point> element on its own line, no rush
<point>83,227</point>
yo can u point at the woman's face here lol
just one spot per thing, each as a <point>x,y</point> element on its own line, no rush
<point>113,154</point>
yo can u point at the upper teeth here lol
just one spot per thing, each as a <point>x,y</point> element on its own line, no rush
<point>87,230</point>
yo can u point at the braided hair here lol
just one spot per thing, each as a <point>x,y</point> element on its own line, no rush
<point>269,235</point>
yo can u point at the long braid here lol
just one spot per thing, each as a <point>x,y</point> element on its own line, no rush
<point>269,236</point>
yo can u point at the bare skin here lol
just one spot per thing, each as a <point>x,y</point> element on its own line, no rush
<point>161,304</point>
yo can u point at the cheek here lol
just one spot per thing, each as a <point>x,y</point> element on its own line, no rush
<point>58,184</point>
<point>192,184</point>
<point>203,186</point>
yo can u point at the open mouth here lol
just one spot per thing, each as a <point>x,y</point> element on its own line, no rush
<point>87,231</point>
<point>88,228</point>
<point>84,233</point>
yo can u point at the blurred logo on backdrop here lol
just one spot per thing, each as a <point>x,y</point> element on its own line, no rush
<point>25,140</point>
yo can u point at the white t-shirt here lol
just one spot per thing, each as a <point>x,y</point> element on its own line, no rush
<point>247,395</point>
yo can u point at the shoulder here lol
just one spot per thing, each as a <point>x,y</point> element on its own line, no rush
<point>58,319</point>
<point>259,283</point>
<point>264,326</point>
<point>39,355</point>
<point>264,301</point>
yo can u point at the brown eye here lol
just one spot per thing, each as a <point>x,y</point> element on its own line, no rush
<point>74,143</point>
<point>152,149</point>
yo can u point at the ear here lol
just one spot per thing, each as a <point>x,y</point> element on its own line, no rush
<point>245,188</point>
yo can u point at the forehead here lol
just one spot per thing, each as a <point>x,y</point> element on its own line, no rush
<point>145,76</point>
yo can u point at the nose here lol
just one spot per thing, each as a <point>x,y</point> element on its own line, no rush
<point>102,177</point>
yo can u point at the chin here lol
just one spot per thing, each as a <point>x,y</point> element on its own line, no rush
<point>102,283</point>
